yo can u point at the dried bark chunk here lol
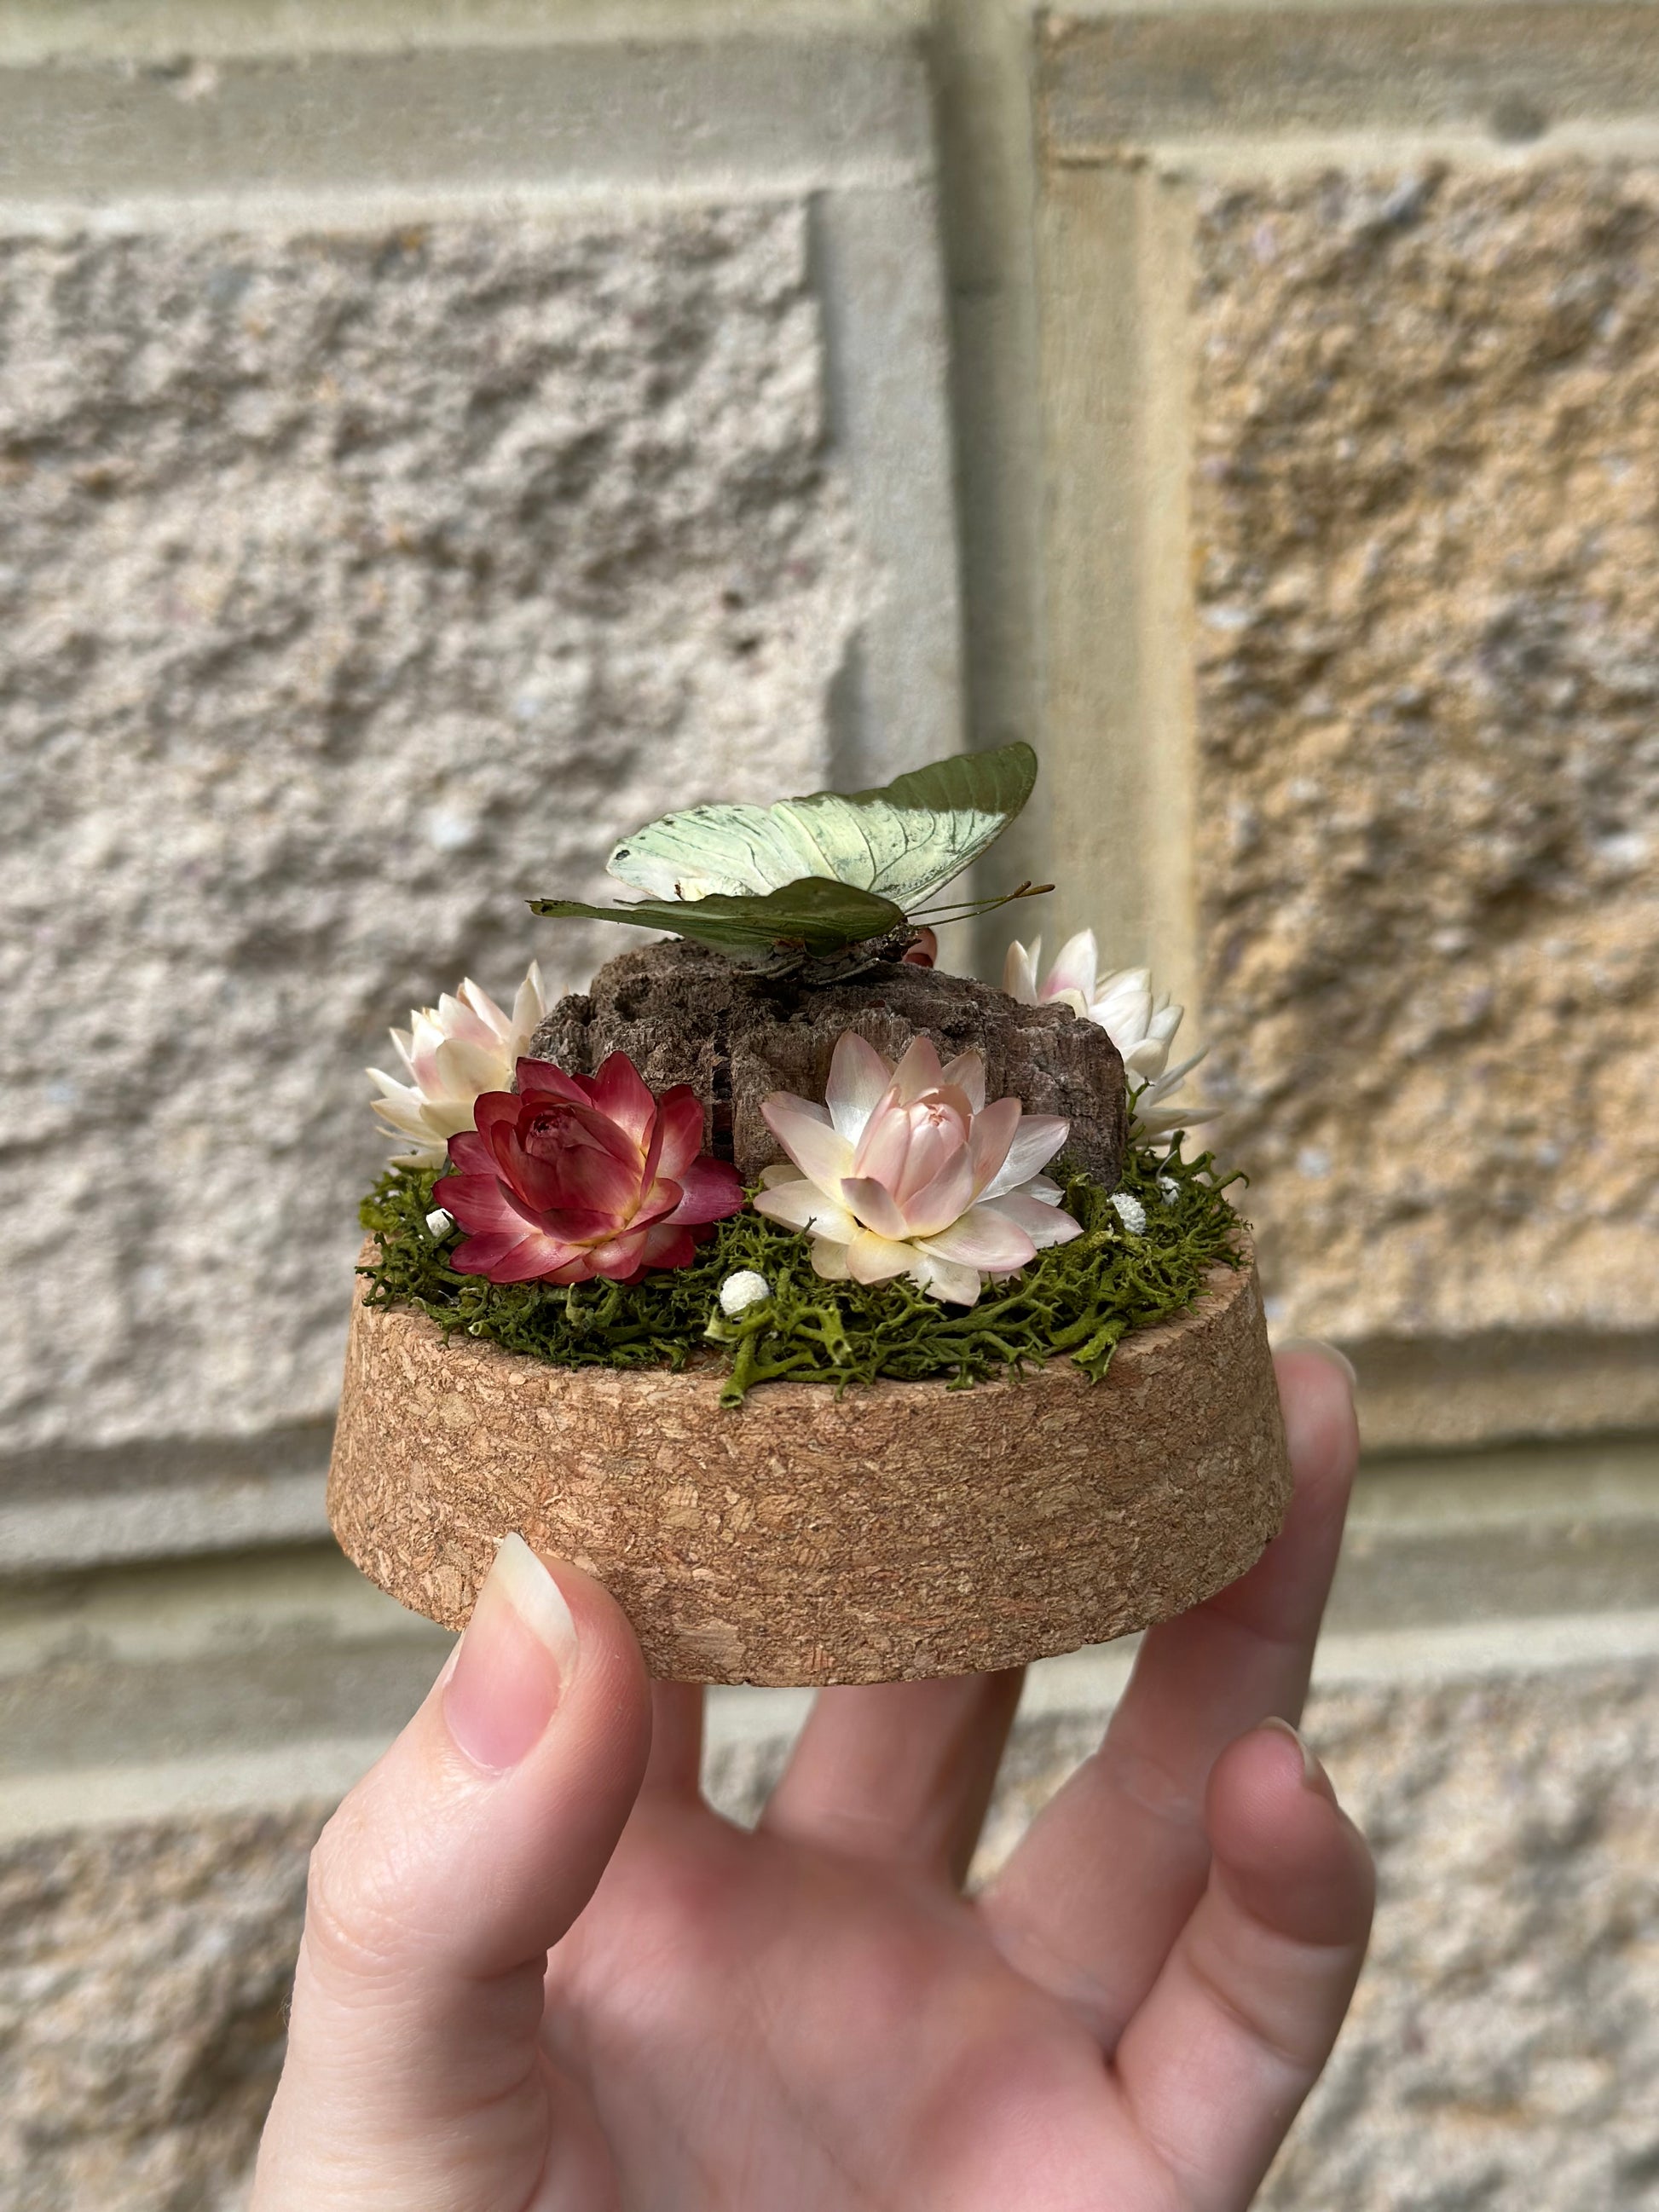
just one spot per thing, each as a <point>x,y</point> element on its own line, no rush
<point>684,1014</point>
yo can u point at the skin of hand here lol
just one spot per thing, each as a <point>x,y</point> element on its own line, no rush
<point>539,1974</point>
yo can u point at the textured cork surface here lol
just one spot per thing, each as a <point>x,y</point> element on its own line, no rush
<point>904,1529</point>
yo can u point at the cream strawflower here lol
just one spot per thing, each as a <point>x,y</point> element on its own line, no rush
<point>453,1053</point>
<point>1141,1023</point>
<point>906,1171</point>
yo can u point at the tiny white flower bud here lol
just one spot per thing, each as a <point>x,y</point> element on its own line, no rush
<point>1170,1189</point>
<point>1131,1213</point>
<point>439,1223</point>
<point>740,1291</point>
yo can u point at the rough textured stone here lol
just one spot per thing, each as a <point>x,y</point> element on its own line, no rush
<point>1428,423</point>
<point>354,585</point>
<point>143,1977</point>
<point>684,1014</point>
<point>1503,2049</point>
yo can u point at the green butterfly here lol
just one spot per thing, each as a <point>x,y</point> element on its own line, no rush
<point>833,869</point>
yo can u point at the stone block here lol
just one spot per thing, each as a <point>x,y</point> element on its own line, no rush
<point>1427,569</point>
<point>144,1978</point>
<point>357,582</point>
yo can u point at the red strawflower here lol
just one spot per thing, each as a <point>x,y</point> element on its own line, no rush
<point>577,1175</point>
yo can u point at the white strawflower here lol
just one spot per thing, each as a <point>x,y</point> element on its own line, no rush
<point>1141,1023</point>
<point>439,1224</point>
<point>1170,1189</point>
<point>1131,1213</point>
<point>453,1053</point>
<point>743,1289</point>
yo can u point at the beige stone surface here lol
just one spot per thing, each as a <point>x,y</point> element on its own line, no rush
<point>1503,2051</point>
<point>357,580</point>
<point>144,1973</point>
<point>1428,662</point>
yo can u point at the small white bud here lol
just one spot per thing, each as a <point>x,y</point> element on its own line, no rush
<point>1170,1189</point>
<point>1131,1213</point>
<point>439,1223</point>
<point>740,1291</point>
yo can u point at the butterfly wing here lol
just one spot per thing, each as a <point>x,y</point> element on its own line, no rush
<point>900,841</point>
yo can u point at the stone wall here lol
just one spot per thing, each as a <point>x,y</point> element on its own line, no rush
<point>1428,609</point>
<point>434,436</point>
<point>360,582</point>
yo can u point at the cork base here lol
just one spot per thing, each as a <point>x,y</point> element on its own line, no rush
<point>901,1530</point>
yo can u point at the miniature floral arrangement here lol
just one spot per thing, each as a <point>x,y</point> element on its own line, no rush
<point>903,1197</point>
<point>629,1236</point>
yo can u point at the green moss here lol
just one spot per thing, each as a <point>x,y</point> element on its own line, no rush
<point>1079,1300</point>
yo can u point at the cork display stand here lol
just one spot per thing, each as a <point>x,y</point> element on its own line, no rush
<point>896,1531</point>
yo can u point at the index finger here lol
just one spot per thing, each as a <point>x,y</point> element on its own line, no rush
<point>1091,1902</point>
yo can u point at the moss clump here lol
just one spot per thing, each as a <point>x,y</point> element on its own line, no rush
<point>1079,1300</point>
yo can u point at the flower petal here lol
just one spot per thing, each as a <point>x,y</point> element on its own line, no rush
<point>457,1017</point>
<point>830,1258</point>
<point>620,1095</point>
<point>943,1201</point>
<point>679,1120</point>
<point>524,1259</point>
<point>948,1279</point>
<point>530,1006</point>
<point>966,1074</point>
<point>1019,971</point>
<point>1035,1141</point>
<point>542,1075</point>
<point>710,1190</point>
<point>619,1257</point>
<point>666,1246</point>
<point>858,1077</point>
<point>819,1152</point>
<point>1076,965</point>
<point>466,1068</point>
<point>1045,1224</point>
<point>802,1205</point>
<point>487,1011</point>
<point>872,1259</point>
<point>874,1205</point>
<point>994,1130</point>
<point>984,1237</point>
<point>408,1120</point>
<point>918,1069</point>
<point>885,1145</point>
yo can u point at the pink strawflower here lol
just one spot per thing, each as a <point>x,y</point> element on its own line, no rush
<point>578,1175</point>
<point>906,1171</point>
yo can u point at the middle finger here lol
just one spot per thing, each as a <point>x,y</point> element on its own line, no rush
<point>898,1771</point>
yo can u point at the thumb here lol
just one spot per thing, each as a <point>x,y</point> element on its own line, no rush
<point>415,2074</point>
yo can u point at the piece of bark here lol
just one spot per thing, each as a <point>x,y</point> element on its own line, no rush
<point>684,1014</point>
<point>892,1531</point>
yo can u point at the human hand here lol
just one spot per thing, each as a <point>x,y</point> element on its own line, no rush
<point>539,1974</point>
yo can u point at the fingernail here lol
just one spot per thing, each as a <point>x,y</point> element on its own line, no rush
<point>518,1652</point>
<point>1313,1774</point>
<point>1324,1351</point>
